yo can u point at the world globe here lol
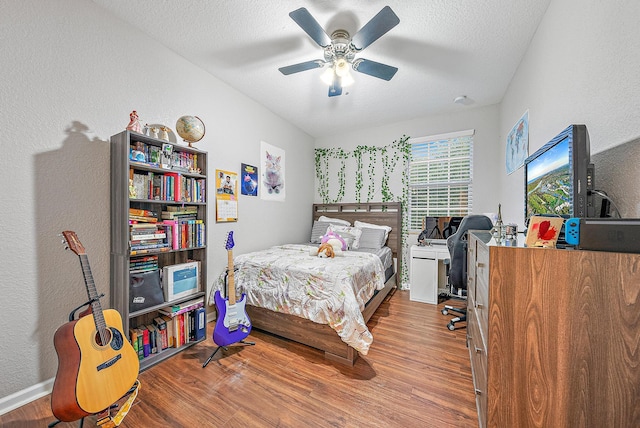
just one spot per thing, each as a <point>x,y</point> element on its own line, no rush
<point>190,128</point>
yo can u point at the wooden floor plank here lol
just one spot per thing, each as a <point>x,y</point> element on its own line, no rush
<point>416,374</point>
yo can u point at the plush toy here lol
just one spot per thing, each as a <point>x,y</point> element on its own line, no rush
<point>326,250</point>
<point>332,245</point>
<point>334,240</point>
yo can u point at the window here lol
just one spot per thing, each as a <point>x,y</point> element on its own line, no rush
<point>440,177</point>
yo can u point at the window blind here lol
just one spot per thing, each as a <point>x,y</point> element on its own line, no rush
<point>440,177</point>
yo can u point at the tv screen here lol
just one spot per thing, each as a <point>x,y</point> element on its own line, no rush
<point>559,176</point>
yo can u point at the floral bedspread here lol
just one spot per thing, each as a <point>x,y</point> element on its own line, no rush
<point>334,291</point>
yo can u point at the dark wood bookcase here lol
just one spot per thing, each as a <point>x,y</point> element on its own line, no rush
<point>190,165</point>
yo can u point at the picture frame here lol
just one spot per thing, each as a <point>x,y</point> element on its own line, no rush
<point>180,280</point>
<point>543,231</point>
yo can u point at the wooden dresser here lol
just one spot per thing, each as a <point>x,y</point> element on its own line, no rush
<point>553,335</point>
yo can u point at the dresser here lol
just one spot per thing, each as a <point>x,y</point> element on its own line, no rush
<point>553,335</point>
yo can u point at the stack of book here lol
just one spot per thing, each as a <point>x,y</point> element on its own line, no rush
<point>142,216</point>
<point>143,264</point>
<point>145,233</point>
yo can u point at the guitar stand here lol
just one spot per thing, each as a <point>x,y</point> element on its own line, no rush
<point>72,314</point>
<point>242,342</point>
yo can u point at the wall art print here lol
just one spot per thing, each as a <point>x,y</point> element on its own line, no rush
<point>517,148</point>
<point>226,196</point>
<point>249,180</point>
<point>272,179</point>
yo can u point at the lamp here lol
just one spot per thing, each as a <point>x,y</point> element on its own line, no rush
<point>339,69</point>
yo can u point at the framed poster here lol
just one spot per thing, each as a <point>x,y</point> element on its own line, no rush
<point>518,144</point>
<point>272,180</point>
<point>249,184</point>
<point>226,196</point>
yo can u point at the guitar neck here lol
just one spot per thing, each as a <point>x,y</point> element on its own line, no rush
<point>96,308</point>
<point>231,287</point>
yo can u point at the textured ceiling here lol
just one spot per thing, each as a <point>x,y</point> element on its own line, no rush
<point>442,48</point>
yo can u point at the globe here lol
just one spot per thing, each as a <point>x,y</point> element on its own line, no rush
<point>190,128</point>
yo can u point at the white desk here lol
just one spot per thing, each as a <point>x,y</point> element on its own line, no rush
<point>427,272</point>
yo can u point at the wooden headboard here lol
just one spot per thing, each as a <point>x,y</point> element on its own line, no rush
<point>382,213</point>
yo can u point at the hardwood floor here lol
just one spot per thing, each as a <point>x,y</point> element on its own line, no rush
<point>417,374</point>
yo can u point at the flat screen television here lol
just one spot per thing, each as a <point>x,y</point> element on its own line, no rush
<point>559,176</point>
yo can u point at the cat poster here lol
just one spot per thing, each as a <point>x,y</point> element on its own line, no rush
<point>272,178</point>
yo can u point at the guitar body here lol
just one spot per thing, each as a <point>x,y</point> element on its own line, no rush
<point>91,377</point>
<point>233,323</point>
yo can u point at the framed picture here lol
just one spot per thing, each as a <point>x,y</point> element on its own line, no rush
<point>543,231</point>
<point>517,148</point>
<point>180,280</point>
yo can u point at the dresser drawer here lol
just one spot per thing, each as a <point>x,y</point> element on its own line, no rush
<point>478,356</point>
<point>481,304</point>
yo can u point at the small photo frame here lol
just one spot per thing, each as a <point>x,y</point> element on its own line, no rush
<point>543,231</point>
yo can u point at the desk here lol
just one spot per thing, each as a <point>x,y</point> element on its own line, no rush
<point>427,272</point>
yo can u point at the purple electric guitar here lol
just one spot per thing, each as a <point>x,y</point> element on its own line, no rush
<point>233,323</point>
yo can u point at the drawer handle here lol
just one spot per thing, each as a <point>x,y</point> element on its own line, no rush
<point>479,305</point>
<point>478,350</point>
<point>478,392</point>
<point>480,264</point>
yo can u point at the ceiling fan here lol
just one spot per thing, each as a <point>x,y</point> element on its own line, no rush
<point>340,49</point>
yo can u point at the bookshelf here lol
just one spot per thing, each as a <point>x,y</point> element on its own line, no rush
<point>158,222</point>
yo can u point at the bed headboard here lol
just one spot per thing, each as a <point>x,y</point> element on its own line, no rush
<point>382,213</point>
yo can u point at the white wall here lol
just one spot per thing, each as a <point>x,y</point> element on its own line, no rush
<point>485,152</point>
<point>582,67</point>
<point>71,73</point>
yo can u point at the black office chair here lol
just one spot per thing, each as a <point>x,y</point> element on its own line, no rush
<point>457,263</point>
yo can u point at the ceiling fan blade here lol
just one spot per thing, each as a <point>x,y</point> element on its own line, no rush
<point>303,66</point>
<point>303,18</point>
<point>336,87</point>
<point>384,21</point>
<point>375,69</point>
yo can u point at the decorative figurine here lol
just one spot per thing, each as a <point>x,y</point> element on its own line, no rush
<point>164,133</point>
<point>154,132</point>
<point>134,123</point>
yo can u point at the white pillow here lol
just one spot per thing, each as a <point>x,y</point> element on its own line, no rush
<point>351,235</point>
<point>361,225</point>
<point>334,220</point>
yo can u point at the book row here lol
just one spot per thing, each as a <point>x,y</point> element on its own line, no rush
<point>164,157</point>
<point>169,235</point>
<point>170,186</point>
<point>168,332</point>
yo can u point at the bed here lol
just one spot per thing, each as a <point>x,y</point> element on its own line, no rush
<point>370,274</point>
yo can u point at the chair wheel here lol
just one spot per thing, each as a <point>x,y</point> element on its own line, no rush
<point>444,312</point>
<point>451,326</point>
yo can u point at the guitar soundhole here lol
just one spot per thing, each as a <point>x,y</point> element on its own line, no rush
<point>112,337</point>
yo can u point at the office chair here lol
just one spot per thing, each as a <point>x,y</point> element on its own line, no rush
<point>456,265</point>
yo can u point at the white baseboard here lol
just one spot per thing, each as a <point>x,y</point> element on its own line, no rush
<point>27,395</point>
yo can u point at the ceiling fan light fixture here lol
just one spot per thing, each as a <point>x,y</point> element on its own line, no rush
<point>347,80</point>
<point>342,67</point>
<point>327,76</point>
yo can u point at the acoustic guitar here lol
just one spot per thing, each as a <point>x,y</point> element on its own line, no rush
<point>96,363</point>
<point>233,323</point>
